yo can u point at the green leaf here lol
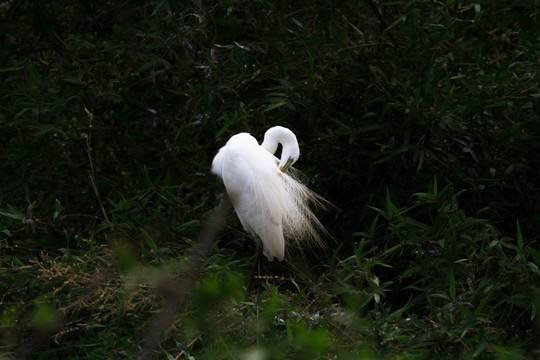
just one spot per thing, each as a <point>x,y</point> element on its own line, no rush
<point>481,306</point>
<point>16,216</point>
<point>452,284</point>
<point>535,254</point>
<point>519,236</point>
<point>289,330</point>
<point>274,106</point>
<point>468,313</point>
<point>479,349</point>
<point>158,7</point>
<point>44,316</point>
<point>11,69</point>
<point>391,208</point>
<point>222,130</point>
<point>57,208</point>
<point>399,20</point>
<point>149,240</point>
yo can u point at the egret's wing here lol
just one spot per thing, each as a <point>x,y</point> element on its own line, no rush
<point>250,175</point>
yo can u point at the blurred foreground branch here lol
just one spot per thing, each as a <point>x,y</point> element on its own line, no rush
<point>175,292</point>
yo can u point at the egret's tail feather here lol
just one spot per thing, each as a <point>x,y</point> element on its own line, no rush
<point>300,222</point>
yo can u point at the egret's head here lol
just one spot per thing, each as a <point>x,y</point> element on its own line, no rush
<point>287,139</point>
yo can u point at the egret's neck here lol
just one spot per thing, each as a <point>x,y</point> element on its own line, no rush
<point>287,139</point>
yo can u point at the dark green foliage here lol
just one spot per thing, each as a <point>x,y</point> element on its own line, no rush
<point>418,120</point>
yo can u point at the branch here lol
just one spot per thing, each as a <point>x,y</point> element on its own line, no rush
<point>176,292</point>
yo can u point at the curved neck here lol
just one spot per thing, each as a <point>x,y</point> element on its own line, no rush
<point>287,139</point>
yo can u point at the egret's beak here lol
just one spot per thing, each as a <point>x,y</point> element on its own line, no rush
<point>287,164</point>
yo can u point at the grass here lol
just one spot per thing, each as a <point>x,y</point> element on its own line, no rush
<point>418,120</point>
<point>448,287</point>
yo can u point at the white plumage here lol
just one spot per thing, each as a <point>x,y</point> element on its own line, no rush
<point>269,202</point>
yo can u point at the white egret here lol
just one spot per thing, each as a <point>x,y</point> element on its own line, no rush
<point>270,202</point>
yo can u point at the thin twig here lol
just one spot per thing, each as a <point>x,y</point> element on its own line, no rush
<point>92,173</point>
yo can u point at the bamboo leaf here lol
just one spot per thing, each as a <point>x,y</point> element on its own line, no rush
<point>519,236</point>
<point>452,284</point>
<point>149,240</point>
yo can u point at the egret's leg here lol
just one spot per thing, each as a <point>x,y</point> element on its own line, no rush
<point>259,252</point>
<point>256,267</point>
